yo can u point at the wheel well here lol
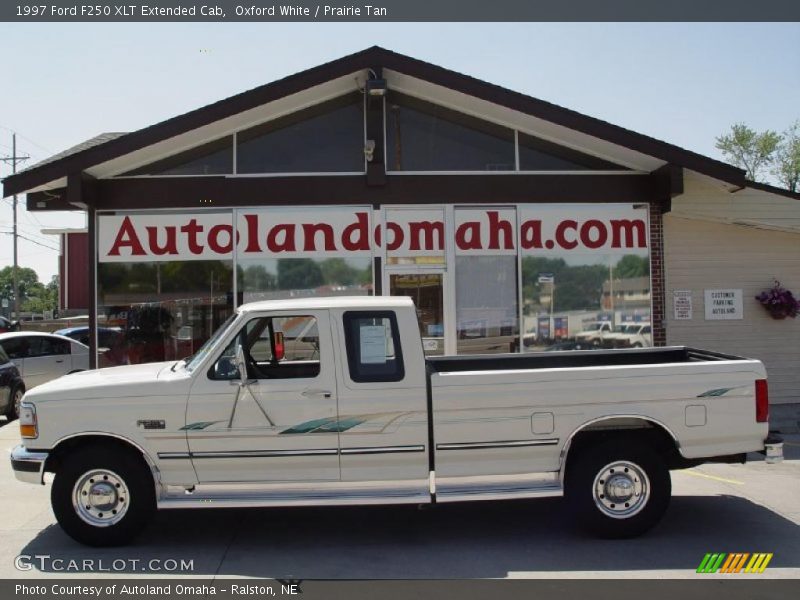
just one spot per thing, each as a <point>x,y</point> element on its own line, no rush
<point>68,446</point>
<point>641,430</point>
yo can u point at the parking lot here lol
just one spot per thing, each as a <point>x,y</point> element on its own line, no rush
<point>715,508</point>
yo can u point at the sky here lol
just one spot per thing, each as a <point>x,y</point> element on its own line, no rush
<point>682,83</point>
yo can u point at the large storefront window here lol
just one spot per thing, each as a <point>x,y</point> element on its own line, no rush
<point>585,278</point>
<point>487,316</point>
<point>272,279</point>
<point>161,310</point>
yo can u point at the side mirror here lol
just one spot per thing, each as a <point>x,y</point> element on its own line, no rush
<point>241,364</point>
<point>226,369</point>
<point>280,347</point>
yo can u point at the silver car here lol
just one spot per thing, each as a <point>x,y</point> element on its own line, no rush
<point>41,357</point>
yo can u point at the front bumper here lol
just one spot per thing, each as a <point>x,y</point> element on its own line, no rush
<point>28,466</point>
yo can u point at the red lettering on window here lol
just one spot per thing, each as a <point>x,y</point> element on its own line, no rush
<point>561,230</point>
<point>310,230</point>
<point>286,244</point>
<point>126,237</point>
<point>471,229</point>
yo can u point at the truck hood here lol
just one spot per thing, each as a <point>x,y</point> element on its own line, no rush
<point>125,381</point>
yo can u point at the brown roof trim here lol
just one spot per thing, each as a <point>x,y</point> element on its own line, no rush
<point>369,58</point>
<point>772,189</point>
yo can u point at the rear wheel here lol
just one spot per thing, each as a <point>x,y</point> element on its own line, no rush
<point>103,495</point>
<point>14,402</point>
<point>618,489</point>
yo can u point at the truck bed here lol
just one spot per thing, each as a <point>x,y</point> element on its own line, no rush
<point>574,358</point>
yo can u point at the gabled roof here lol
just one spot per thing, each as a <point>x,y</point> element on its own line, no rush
<point>96,151</point>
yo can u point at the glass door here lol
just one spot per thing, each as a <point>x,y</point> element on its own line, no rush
<point>426,288</point>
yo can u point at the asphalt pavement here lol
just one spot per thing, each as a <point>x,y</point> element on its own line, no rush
<point>715,508</point>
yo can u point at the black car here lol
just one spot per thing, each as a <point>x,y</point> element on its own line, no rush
<point>11,387</point>
<point>6,325</point>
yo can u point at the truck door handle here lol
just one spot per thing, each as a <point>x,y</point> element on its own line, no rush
<point>316,393</point>
<point>60,361</point>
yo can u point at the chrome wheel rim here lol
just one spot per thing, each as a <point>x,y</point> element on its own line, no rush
<point>17,401</point>
<point>100,497</point>
<point>621,489</point>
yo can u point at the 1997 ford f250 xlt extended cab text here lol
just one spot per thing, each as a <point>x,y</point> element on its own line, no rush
<point>331,401</point>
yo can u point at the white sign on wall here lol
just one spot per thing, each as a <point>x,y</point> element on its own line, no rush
<point>682,305</point>
<point>723,304</point>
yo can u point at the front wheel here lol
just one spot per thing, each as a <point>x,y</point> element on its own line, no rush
<point>14,403</point>
<point>618,489</point>
<point>103,495</point>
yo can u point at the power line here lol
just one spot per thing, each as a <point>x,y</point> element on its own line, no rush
<point>31,240</point>
<point>13,160</point>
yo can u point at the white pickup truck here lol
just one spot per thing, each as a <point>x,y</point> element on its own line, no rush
<point>331,401</point>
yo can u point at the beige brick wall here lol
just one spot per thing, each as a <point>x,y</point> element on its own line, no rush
<point>702,254</point>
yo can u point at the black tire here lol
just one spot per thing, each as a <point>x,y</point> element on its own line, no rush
<point>138,491</point>
<point>14,400</point>
<point>621,462</point>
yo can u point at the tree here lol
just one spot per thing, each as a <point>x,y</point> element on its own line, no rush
<point>631,265</point>
<point>299,274</point>
<point>749,149</point>
<point>786,168</point>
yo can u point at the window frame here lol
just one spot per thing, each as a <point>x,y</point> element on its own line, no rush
<point>350,346</point>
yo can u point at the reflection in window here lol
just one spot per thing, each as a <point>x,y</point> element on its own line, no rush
<point>421,136</point>
<point>587,302</point>
<point>272,279</point>
<point>214,158</point>
<point>487,320</point>
<point>328,138</point>
<point>536,154</point>
<point>165,310</point>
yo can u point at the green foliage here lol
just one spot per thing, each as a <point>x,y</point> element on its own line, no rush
<point>631,266</point>
<point>34,296</point>
<point>299,273</point>
<point>748,149</point>
<point>786,168</point>
<point>577,287</point>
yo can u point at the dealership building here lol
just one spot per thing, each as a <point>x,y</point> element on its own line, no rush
<point>515,224</point>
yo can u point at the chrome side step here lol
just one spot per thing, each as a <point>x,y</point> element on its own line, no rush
<point>275,495</point>
<point>506,487</point>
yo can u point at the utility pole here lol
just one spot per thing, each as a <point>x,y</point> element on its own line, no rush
<point>14,275</point>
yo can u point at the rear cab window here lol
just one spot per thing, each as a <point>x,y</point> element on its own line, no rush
<point>372,340</point>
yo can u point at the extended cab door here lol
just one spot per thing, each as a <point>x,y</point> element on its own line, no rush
<point>383,423</point>
<point>280,427</point>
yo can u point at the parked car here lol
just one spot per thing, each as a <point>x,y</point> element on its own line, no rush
<point>110,343</point>
<point>331,401</point>
<point>41,357</point>
<point>6,325</point>
<point>594,333</point>
<point>630,335</point>
<point>11,387</point>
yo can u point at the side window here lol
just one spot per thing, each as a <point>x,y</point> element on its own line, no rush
<point>16,348</point>
<point>373,346</point>
<point>45,346</point>
<point>646,329</point>
<point>274,348</point>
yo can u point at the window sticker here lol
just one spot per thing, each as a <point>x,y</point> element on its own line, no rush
<point>373,344</point>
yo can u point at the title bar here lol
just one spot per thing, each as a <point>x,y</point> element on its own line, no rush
<point>403,11</point>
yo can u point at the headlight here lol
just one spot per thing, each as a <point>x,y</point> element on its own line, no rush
<point>28,425</point>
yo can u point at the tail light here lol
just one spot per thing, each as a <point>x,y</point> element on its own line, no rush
<point>762,401</point>
<point>28,425</point>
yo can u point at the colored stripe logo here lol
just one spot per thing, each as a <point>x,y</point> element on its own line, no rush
<point>737,562</point>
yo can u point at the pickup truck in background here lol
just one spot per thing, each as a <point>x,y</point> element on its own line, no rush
<point>595,333</point>
<point>331,401</point>
<point>629,335</point>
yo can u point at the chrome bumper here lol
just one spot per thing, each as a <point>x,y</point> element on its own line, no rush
<point>28,466</point>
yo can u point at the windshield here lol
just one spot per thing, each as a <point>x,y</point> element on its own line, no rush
<point>594,327</point>
<point>193,361</point>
